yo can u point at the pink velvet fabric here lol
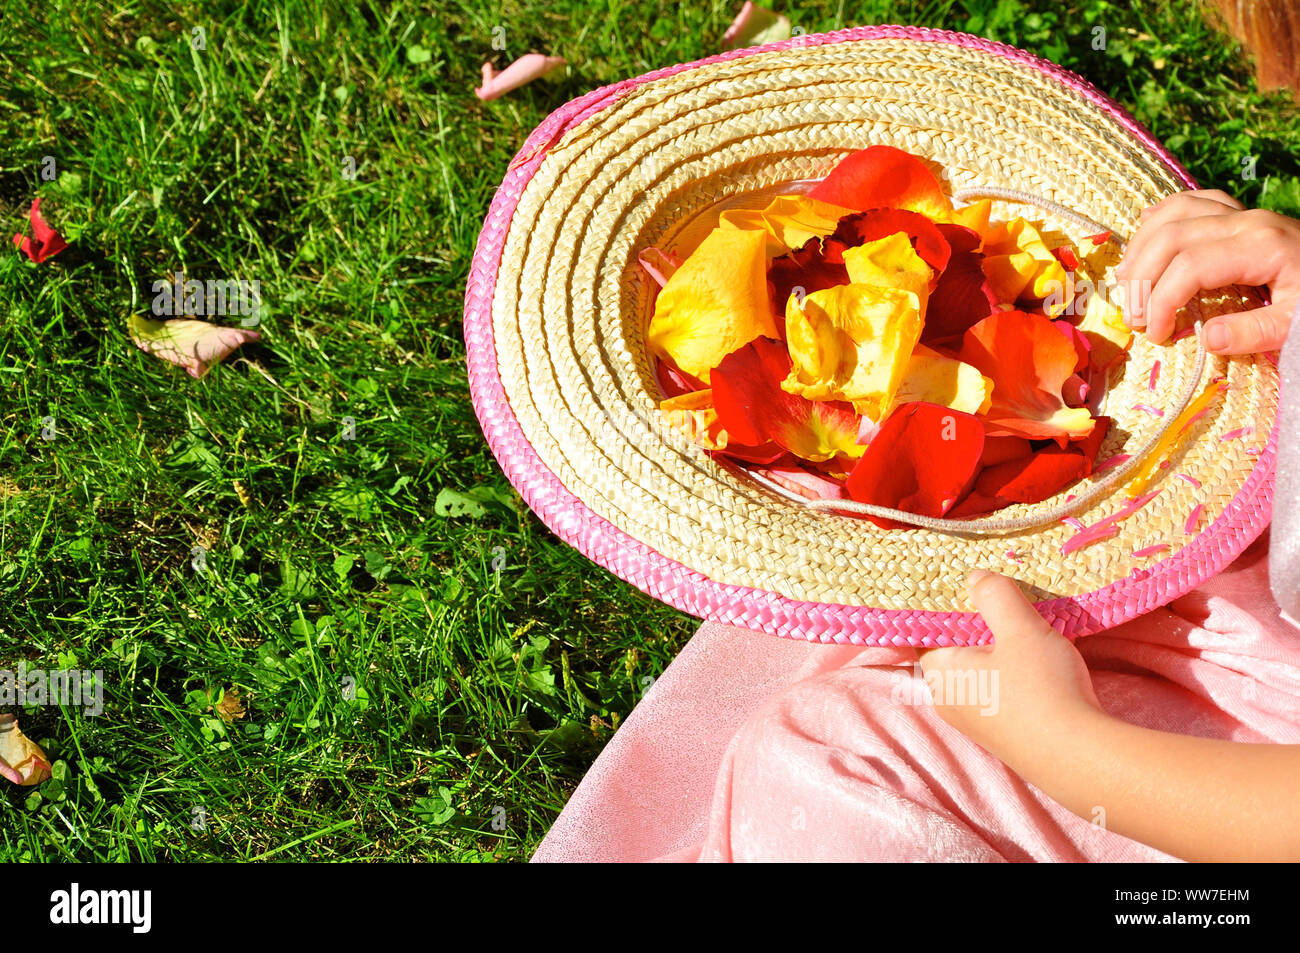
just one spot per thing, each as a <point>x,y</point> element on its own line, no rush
<point>753,748</point>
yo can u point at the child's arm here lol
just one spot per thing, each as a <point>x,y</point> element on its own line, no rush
<point>1190,797</point>
<point>1194,798</point>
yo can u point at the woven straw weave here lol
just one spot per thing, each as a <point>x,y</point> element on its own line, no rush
<point>557,309</point>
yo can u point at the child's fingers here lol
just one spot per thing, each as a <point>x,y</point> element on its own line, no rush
<point>1004,607</point>
<point>1207,264</point>
<point>1161,245</point>
<point>1213,195</point>
<point>1155,224</point>
<point>1249,332</point>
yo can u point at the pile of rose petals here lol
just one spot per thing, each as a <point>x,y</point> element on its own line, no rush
<point>867,340</point>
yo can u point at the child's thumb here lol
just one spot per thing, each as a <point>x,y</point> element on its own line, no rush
<point>1004,607</point>
<point>1249,332</point>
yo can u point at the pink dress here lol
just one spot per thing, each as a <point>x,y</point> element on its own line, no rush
<point>752,747</point>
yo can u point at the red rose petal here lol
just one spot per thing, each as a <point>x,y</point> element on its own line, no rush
<point>877,223</point>
<point>962,297</point>
<point>1029,360</point>
<point>922,460</point>
<point>882,176</point>
<point>755,411</point>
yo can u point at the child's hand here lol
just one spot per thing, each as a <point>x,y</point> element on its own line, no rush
<point>1039,684</point>
<point>1196,241</point>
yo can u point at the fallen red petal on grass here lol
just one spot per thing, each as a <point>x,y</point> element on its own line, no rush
<point>530,66</point>
<point>45,242</point>
<point>923,459</point>
<point>882,176</point>
<point>754,410</point>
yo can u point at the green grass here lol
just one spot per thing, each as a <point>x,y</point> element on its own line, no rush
<point>401,694</point>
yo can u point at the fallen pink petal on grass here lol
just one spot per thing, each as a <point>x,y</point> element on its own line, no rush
<point>22,761</point>
<point>193,345</point>
<point>45,242</point>
<point>754,26</point>
<point>1193,519</point>
<point>524,70</point>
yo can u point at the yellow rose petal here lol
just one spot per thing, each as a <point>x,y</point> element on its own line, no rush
<point>852,343</point>
<point>1020,266</point>
<point>788,220</point>
<point>890,262</point>
<point>939,379</point>
<point>1103,325</point>
<point>714,303</point>
<point>694,415</point>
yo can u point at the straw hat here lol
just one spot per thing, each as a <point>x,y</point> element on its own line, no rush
<point>557,307</point>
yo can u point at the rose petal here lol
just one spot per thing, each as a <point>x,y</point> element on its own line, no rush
<point>884,177</point>
<point>922,460</point>
<point>755,26</point>
<point>1108,336</point>
<point>714,303</point>
<point>22,761</point>
<point>790,221</point>
<point>524,70</point>
<point>193,345</point>
<point>658,264</point>
<point>963,296</point>
<point>45,241</point>
<point>1031,479</point>
<point>1029,361</point>
<point>874,224</point>
<point>754,409</point>
<point>1020,267</point>
<point>1079,341</point>
<point>851,343</point>
<point>802,481</point>
<point>939,379</point>
<point>890,262</point>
